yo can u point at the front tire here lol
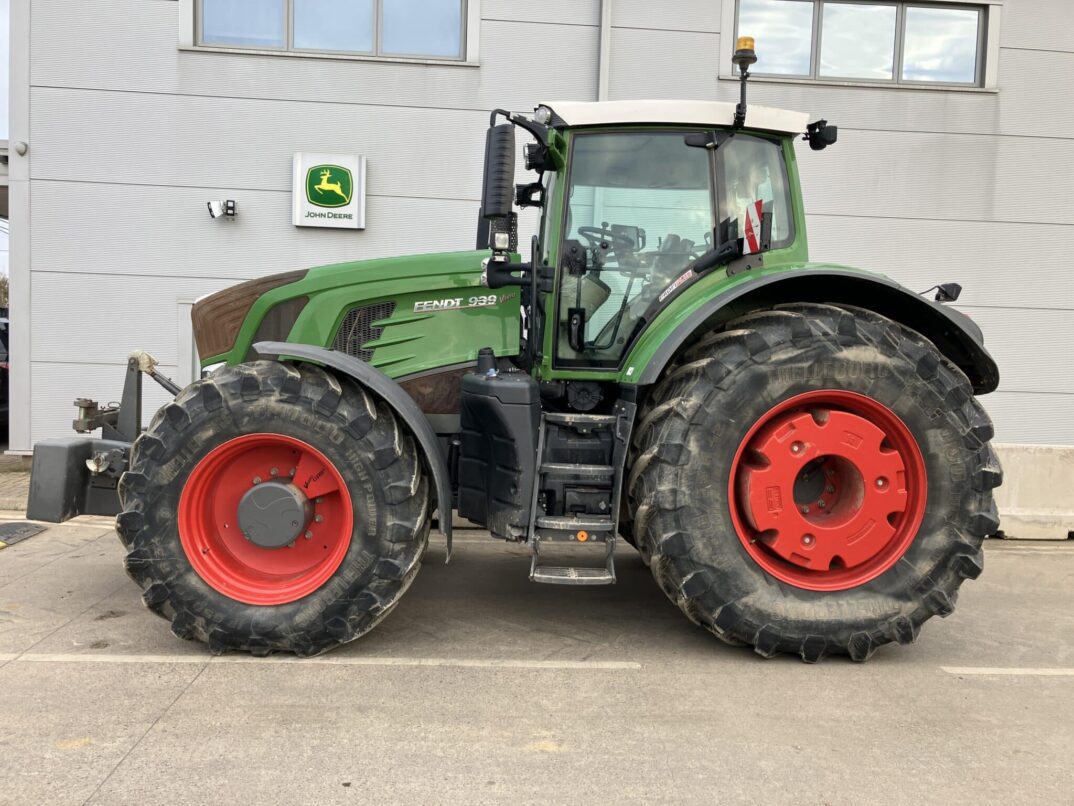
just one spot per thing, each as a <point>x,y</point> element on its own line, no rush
<point>740,536</point>
<point>274,507</point>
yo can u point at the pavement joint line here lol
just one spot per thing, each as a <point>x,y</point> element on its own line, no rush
<point>141,738</point>
<point>1004,671</point>
<point>467,663</point>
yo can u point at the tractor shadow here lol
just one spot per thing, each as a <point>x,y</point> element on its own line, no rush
<point>482,605</point>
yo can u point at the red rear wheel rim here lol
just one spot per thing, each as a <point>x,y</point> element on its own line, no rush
<point>230,563</point>
<point>828,490</point>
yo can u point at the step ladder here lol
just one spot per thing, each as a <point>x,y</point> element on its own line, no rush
<point>580,529</point>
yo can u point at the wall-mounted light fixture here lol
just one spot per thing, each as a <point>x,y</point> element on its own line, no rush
<point>222,209</point>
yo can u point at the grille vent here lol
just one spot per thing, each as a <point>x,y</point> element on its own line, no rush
<point>357,329</point>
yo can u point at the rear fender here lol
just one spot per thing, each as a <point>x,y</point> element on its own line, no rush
<point>393,396</point>
<point>954,334</point>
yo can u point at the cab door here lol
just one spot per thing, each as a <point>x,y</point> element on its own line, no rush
<point>640,207</point>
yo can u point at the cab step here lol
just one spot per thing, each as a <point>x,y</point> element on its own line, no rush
<point>576,420</point>
<point>578,471</point>
<point>571,575</point>
<point>580,523</point>
<point>561,575</point>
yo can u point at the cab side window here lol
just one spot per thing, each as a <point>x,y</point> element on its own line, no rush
<point>751,169</point>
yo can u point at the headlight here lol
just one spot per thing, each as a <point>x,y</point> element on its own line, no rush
<point>217,319</point>
<point>543,115</point>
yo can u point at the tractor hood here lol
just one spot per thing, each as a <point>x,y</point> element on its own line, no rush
<point>404,315</point>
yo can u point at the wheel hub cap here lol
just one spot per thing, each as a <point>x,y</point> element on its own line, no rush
<point>828,490</point>
<point>273,515</point>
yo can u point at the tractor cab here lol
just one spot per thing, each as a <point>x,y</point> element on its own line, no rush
<point>638,200</point>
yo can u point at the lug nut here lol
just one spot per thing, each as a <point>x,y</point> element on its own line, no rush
<point>318,518</point>
<point>309,535</point>
<point>829,489</point>
<point>881,483</point>
<point>274,472</point>
<point>805,510</point>
<point>808,540</point>
<point>797,447</point>
<point>257,479</point>
<point>821,504</point>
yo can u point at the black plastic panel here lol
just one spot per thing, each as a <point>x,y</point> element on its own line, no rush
<point>498,455</point>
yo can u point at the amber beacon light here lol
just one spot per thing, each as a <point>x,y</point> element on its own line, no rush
<point>743,57</point>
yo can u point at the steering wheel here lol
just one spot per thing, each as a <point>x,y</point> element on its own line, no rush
<point>598,236</point>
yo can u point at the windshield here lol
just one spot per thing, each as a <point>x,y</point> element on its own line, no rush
<point>640,206</point>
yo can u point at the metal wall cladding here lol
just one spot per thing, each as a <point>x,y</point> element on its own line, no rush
<point>128,143</point>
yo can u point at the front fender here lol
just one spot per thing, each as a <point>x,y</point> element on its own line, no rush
<point>393,395</point>
<point>953,333</point>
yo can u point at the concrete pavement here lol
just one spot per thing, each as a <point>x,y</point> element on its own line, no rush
<point>483,687</point>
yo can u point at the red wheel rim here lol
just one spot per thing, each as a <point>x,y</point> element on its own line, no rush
<point>230,563</point>
<point>828,490</point>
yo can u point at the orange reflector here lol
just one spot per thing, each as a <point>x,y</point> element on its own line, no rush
<point>582,537</point>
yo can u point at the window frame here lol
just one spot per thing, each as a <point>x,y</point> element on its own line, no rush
<point>986,67</point>
<point>190,38</point>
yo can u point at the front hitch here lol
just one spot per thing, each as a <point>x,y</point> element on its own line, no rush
<point>80,475</point>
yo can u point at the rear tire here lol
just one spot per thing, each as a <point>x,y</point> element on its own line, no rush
<point>177,517</point>
<point>686,489</point>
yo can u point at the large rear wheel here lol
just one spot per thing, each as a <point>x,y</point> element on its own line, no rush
<point>274,507</point>
<point>813,479</point>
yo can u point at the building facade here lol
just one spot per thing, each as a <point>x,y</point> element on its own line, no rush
<point>954,163</point>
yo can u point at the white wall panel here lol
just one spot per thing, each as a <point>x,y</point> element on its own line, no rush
<point>662,64</point>
<point>942,176</point>
<point>1037,24</point>
<point>131,138</point>
<point>68,328</point>
<point>1033,348</point>
<point>1031,418</point>
<point>1021,265</point>
<point>132,46</point>
<point>564,12</point>
<point>678,15</point>
<point>164,231</point>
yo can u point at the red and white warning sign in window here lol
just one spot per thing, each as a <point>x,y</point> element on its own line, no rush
<point>751,241</point>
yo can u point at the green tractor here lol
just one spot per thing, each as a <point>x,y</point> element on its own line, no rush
<point>795,449</point>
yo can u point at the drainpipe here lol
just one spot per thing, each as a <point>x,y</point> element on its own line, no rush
<point>604,66</point>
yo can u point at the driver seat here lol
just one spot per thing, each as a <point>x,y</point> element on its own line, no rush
<point>671,258</point>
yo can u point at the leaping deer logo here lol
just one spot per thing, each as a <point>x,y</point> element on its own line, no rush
<point>330,187</point>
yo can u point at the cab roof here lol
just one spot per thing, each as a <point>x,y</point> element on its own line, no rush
<point>691,113</point>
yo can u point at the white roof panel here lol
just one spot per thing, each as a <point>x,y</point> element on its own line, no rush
<point>692,113</point>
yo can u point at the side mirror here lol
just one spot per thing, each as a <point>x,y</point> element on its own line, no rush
<point>531,195</point>
<point>820,135</point>
<point>499,185</point>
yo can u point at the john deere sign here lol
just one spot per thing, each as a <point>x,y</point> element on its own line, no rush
<point>329,191</point>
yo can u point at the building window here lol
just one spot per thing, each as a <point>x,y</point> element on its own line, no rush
<point>867,42</point>
<point>423,29</point>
